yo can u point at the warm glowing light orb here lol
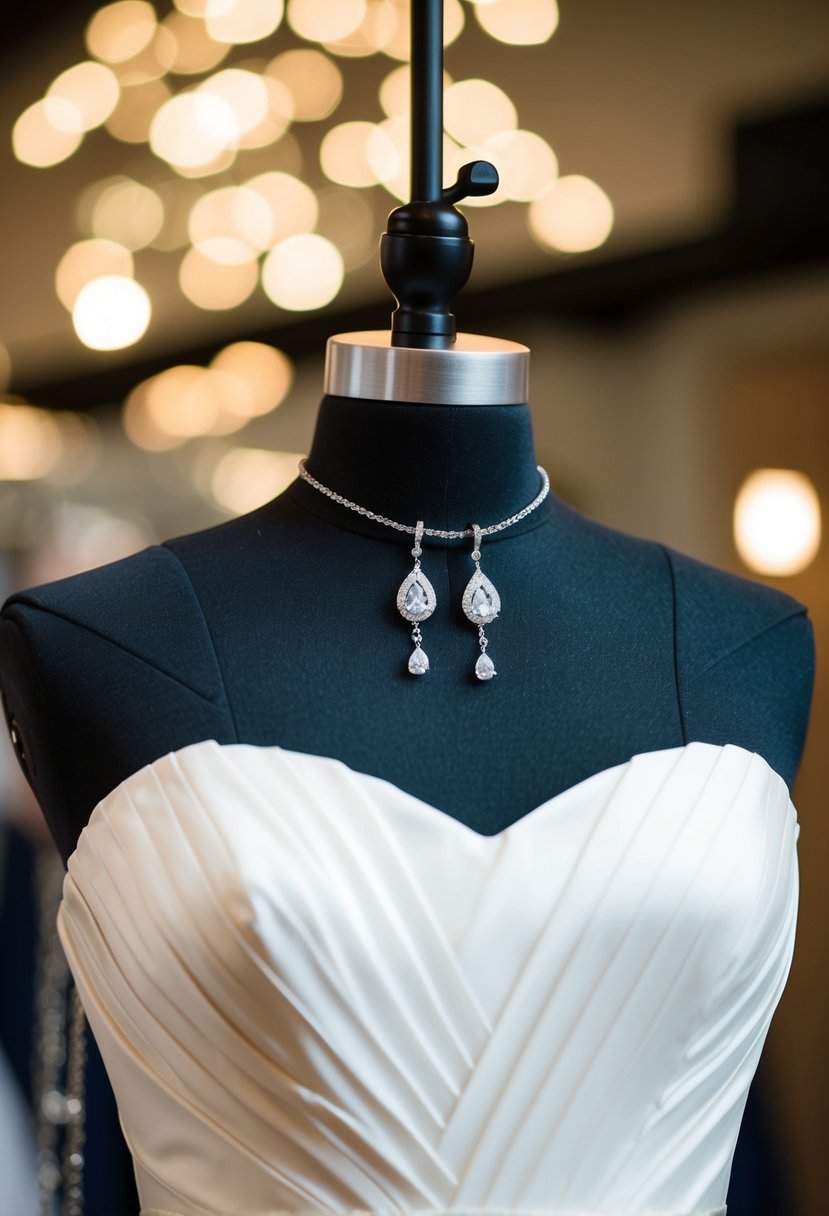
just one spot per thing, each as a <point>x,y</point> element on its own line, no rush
<point>91,88</point>
<point>46,133</point>
<point>88,260</point>
<point>519,22</point>
<point>313,80</point>
<point>180,403</point>
<point>527,165</point>
<point>128,213</point>
<point>187,47</point>
<point>246,478</point>
<point>111,312</point>
<point>474,110</point>
<point>322,21</point>
<point>344,154</point>
<point>120,31</point>
<point>574,215</point>
<point>244,92</point>
<point>233,211</point>
<point>243,20</point>
<point>214,284</point>
<point>30,442</point>
<point>265,374</point>
<point>138,104</point>
<point>303,272</point>
<point>191,129</point>
<point>139,424</point>
<point>293,205</point>
<point>376,30</point>
<point>777,521</point>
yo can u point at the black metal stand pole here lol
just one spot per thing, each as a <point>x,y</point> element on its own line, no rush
<point>427,99</point>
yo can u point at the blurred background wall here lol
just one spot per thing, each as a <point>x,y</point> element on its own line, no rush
<point>660,243</point>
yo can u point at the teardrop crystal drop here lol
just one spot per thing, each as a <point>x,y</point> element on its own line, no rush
<point>481,602</point>
<point>485,668</point>
<point>416,599</point>
<point>418,662</point>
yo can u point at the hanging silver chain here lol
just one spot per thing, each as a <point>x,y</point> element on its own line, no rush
<point>443,533</point>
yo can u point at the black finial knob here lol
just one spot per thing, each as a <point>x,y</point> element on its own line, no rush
<point>426,258</point>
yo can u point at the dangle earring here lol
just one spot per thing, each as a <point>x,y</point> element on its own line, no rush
<point>481,604</point>
<point>416,601</point>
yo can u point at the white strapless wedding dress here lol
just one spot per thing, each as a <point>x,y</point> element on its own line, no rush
<point>315,993</point>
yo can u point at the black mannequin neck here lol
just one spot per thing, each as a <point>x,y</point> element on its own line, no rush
<point>447,465</point>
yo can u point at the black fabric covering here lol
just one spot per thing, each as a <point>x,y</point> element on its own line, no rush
<point>280,627</point>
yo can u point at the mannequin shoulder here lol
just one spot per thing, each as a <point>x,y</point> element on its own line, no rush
<point>142,606</point>
<point>100,674</point>
<point>719,613</point>
<point>745,662</point>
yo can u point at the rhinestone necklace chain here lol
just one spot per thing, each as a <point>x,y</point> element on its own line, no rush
<point>443,533</point>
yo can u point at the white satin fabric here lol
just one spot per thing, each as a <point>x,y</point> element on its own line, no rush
<point>314,992</point>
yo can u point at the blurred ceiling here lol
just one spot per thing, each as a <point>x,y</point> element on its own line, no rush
<point>640,97</point>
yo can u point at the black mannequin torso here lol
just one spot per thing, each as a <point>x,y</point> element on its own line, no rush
<point>280,627</point>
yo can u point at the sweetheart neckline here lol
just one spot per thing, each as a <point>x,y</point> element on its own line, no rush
<point>436,813</point>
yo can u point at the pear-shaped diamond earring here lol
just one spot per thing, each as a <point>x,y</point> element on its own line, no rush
<point>481,604</point>
<point>416,601</point>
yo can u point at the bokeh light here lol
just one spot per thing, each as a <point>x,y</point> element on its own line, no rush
<point>151,62</point>
<point>233,211</point>
<point>344,154</point>
<point>243,20</point>
<point>264,373</point>
<point>140,425</point>
<point>313,80</point>
<point>573,216</point>
<point>519,22</point>
<point>293,205</point>
<point>120,31</point>
<point>188,48</point>
<point>374,33</point>
<point>322,21</point>
<point>111,312</point>
<point>91,88</point>
<point>192,129</point>
<point>247,478</point>
<point>218,274</point>
<point>303,272</point>
<point>138,104</point>
<point>244,92</point>
<point>46,133</point>
<point>527,166</point>
<point>30,442</point>
<point>88,260</point>
<point>474,110</point>
<point>180,402</point>
<point>128,213</point>
<point>777,521</point>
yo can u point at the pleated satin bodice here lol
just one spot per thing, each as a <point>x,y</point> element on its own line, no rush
<point>314,992</point>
